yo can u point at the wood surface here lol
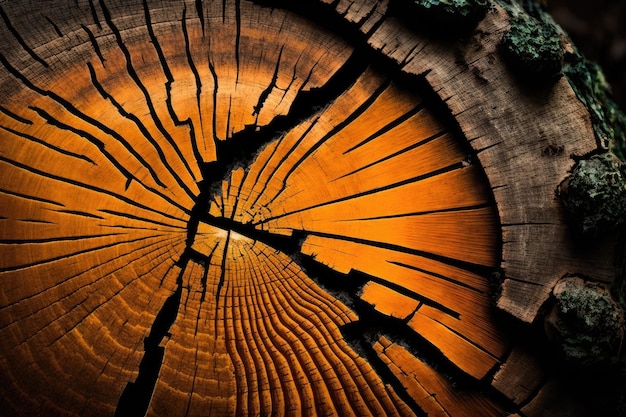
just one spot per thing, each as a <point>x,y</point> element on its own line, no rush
<point>245,208</point>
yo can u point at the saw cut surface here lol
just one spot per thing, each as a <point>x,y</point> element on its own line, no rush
<point>222,208</point>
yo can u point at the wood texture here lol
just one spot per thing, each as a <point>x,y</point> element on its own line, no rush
<point>229,208</point>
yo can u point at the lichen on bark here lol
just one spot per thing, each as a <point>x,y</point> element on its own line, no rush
<point>594,195</point>
<point>533,48</point>
<point>585,324</point>
<point>448,17</point>
<point>534,45</point>
<point>590,86</point>
<point>456,7</point>
<point>585,77</point>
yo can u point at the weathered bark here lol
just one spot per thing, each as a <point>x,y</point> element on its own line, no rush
<point>279,208</point>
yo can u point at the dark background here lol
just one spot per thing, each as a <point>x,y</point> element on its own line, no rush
<point>598,29</point>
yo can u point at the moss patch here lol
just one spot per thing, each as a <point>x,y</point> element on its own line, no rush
<point>447,17</point>
<point>533,48</point>
<point>586,324</point>
<point>609,122</point>
<point>454,7</point>
<point>533,44</point>
<point>594,196</point>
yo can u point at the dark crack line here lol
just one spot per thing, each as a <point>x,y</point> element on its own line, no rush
<point>15,116</point>
<point>94,15</point>
<point>294,78</point>
<point>144,219</point>
<point>31,220</point>
<point>144,131</point>
<point>284,158</point>
<point>220,283</point>
<point>395,154</point>
<point>478,269</point>
<point>133,228</point>
<point>48,145</point>
<point>237,38</point>
<point>49,119</point>
<point>170,79</point>
<point>193,382</point>
<point>69,255</point>
<point>227,134</point>
<point>215,90</point>
<point>135,77</point>
<point>20,40</point>
<point>421,213</point>
<point>194,70</point>
<point>69,280</point>
<point>94,44</point>
<point>422,177</point>
<point>80,185</point>
<point>437,275</point>
<point>200,12</point>
<point>242,147</point>
<point>340,126</point>
<point>265,93</point>
<point>43,240</point>
<point>79,213</point>
<point>136,397</point>
<point>388,127</point>
<point>31,198</point>
<point>55,27</point>
<point>74,111</point>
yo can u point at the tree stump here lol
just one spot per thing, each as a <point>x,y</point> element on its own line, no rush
<point>236,208</point>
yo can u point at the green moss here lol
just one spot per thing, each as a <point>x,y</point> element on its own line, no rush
<point>585,77</point>
<point>455,7</point>
<point>586,324</point>
<point>609,122</point>
<point>533,48</point>
<point>448,18</point>
<point>588,307</point>
<point>594,196</point>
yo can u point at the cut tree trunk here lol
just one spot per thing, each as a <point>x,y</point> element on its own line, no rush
<point>236,208</point>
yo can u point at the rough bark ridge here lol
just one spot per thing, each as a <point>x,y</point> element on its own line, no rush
<point>231,208</point>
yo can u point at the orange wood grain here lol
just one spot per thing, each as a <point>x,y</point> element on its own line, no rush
<point>235,208</point>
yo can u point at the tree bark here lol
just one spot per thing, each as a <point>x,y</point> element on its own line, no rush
<point>276,208</point>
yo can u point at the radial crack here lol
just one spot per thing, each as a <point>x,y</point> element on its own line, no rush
<point>135,398</point>
<point>21,40</point>
<point>265,93</point>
